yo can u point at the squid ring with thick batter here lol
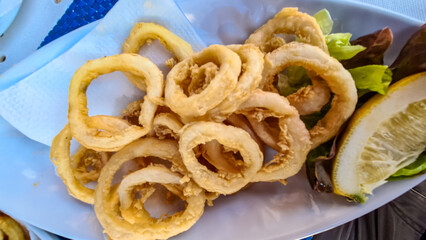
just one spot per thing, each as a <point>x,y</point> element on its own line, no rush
<point>232,138</point>
<point>60,156</point>
<point>166,125</point>
<point>143,33</point>
<point>248,81</point>
<point>220,63</point>
<point>109,201</point>
<point>288,21</point>
<point>289,137</point>
<point>89,135</point>
<point>312,98</point>
<point>339,81</point>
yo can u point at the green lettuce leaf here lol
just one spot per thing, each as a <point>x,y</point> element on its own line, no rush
<point>416,168</point>
<point>324,20</point>
<point>339,46</point>
<point>371,78</point>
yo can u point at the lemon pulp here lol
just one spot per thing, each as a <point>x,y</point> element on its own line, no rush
<point>397,142</point>
<point>384,135</point>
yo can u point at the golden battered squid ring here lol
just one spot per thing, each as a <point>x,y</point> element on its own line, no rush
<point>65,165</point>
<point>339,81</point>
<point>132,112</point>
<point>289,137</point>
<point>86,158</point>
<point>109,201</point>
<point>288,21</point>
<point>248,81</point>
<point>87,133</point>
<point>232,138</point>
<point>143,33</point>
<point>308,99</point>
<point>213,73</point>
<point>312,98</point>
<point>10,229</point>
<point>166,125</point>
<point>240,121</point>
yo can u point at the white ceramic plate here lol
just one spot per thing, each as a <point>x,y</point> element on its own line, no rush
<point>38,234</point>
<point>31,191</point>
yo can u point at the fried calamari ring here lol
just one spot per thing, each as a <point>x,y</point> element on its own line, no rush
<point>248,81</point>
<point>234,140</point>
<point>10,229</point>
<point>308,99</point>
<point>143,33</point>
<point>166,125</point>
<point>217,156</point>
<point>66,166</point>
<point>288,21</point>
<point>339,81</point>
<point>138,184</point>
<point>87,164</point>
<point>286,133</point>
<point>240,121</point>
<point>108,123</point>
<point>60,156</point>
<point>132,112</point>
<point>199,83</point>
<point>142,181</point>
<point>107,200</point>
<point>312,98</point>
<point>89,135</point>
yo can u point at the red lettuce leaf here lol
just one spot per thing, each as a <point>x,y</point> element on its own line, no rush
<point>376,45</point>
<point>412,58</point>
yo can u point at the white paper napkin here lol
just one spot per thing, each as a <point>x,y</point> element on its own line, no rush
<point>38,105</point>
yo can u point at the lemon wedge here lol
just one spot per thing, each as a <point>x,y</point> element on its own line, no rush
<point>387,133</point>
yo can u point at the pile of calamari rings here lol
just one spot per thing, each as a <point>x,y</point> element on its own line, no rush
<point>201,131</point>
